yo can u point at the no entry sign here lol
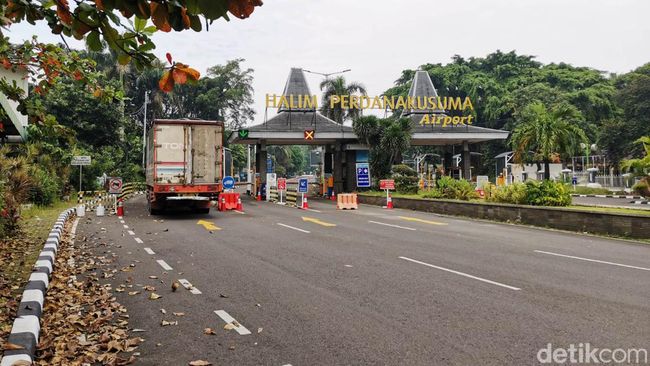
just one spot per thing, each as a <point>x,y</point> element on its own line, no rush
<point>115,185</point>
<point>387,184</point>
<point>282,184</point>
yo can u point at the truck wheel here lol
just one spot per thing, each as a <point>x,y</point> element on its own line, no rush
<point>152,211</point>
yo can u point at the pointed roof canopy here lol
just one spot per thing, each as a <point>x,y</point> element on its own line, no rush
<point>422,87</point>
<point>296,85</point>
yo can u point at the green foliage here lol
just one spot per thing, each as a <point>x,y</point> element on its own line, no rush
<point>457,189</point>
<point>433,194</point>
<point>338,87</point>
<point>588,190</point>
<point>642,187</point>
<point>513,193</point>
<point>46,187</point>
<point>640,167</point>
<point>548,134</point>
<point>406,180</point>
<point>547,193</point>
<point>387,139</point>
<point>536,193</point>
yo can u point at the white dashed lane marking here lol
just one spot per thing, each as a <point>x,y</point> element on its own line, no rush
<point>230,320</point>
<point>164,265</point>
<point>149,251</point>
<point>131,232</point>
<point>189,286</point>
<point>138,240</point>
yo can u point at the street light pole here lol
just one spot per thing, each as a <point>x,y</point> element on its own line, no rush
<point>327,75</point>
<point>144,132</point>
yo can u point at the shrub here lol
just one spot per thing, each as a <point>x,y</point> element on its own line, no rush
<point>434,193</point>
<point>514,193</point>
<point>406,180</point>
<point>547,193</point>
<point>403,169</point>
<point>642,187</point>
<point>45,188</point>
<point>458,189</point>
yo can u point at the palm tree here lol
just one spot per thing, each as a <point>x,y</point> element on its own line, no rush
<point>547,133</point>
<point>386,138</point>
<point>640,167</point>
<point>338,87</point>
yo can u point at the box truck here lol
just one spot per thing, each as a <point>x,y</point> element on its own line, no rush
<point>184,164</point>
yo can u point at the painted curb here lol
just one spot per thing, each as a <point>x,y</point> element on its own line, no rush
<point>27,327</point>
<point>607,196</point>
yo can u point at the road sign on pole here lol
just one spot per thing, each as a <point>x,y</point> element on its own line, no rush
<point>81,160</point>
<point>282,186</point>
<point>387,184</point>
<point>363,175</point>
<point>302,185</point>
<point>228,182</point>
<point>115,185</point>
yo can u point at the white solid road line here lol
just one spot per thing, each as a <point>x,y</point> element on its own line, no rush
<point>230,320</point>
<point>294,228</point>
<point>461,274</point>
<point>164,265</point>
<point>131,232</point>
<point>391,225</point>
<point>592,260</point>
<point>188,286</point>
<point>74,225</point>
<point>149,251</point>
<point>311,209</point>
<point>138,240</point>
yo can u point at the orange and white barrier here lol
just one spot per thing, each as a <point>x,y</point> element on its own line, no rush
<point>346,201</point>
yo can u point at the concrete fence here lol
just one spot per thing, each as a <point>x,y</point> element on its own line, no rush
<point>627,225</point>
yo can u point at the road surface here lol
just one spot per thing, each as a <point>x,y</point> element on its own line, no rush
<point>368,287</point>
<point>611,202</point>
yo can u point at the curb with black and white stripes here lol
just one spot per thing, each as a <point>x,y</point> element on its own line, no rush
<point>607,196</point>
<point>26,327</point>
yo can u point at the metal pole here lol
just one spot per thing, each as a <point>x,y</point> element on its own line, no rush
<point>248,169</point>
<point>80,177</point>
<point>144,131</point>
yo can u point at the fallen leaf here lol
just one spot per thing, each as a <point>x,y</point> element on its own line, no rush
<point>209,331</point>
<point>200,363</point>
<point>179,314</point>
<point>153,277</point>
<point>165,323</point>
<point>12,346</point>
<point>154,296</point>
<point>229,326</point>
<point>163,311</point>
<point>175,286</point>
<point>259,330</point>
<point>132,293</point>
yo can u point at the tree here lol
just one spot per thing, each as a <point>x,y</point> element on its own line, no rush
<point>338,87</point>
<point>640,167</point>
<point>122,26</point>
<point>225,94</point>
<point>386,138</point>
<point>547,134</point>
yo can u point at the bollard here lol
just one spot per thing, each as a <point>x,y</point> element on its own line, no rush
<point>389,201</point>
<point>120,208</point>
<point>333,195</point>
<point>100,211</point>
<point>240,207</point>
<point>81,211</point>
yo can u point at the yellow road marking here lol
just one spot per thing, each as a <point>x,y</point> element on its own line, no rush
<point>317,221</point>
<point>208,225</point>
<point>422,220</point>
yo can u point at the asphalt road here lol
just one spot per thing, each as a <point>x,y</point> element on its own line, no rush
<point>610,202</point>
<point>369,287</point>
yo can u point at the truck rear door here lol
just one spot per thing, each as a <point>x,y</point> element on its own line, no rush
<point>206,154</point>
<point>170,154</point>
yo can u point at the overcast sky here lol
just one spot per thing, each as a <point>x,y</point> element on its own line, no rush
<point>377,39</point>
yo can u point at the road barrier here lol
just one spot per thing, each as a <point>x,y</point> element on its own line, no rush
<point>26,327</point>
<point>229,201</point>
<point>347,201</point>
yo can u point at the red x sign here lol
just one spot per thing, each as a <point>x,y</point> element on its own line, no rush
<point>309,134</point>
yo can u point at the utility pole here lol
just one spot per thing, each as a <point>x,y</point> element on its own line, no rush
<point>144,132</point>
<point>248,170</point>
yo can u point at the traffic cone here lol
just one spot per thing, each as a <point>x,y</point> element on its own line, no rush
<point>240,207</point>
<point>259,194</point>
<point>333,195</point>
<point>222,204</point>
<point>389,201</point>
<point>305,205</point>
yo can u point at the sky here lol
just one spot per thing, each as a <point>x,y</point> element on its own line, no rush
<point>377,39</point>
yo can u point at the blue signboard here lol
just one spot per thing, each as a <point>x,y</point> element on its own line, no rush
<point>228,182</point>
<point>574,180</point>
<point>363,175</point>
<point>269,165</point>
<point>302,185</point>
